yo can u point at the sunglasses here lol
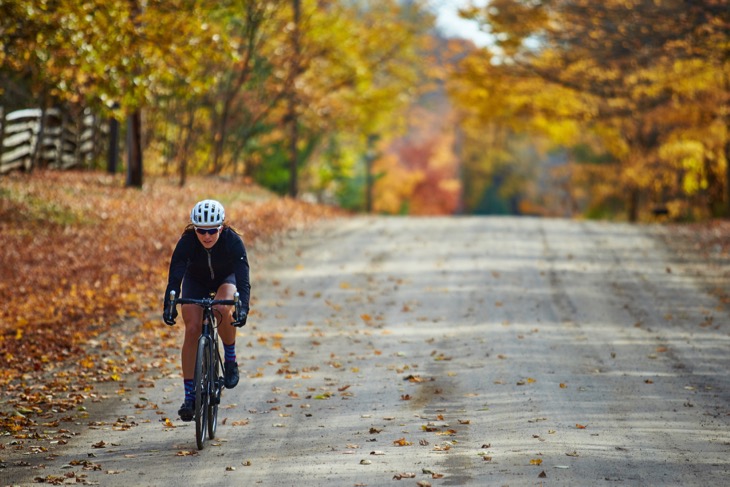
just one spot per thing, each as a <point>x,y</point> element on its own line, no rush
<point>207,231</point>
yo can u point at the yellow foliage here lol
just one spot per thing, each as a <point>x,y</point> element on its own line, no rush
<point>396,185</point>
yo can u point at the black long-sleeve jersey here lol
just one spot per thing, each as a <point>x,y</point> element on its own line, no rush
<point>190,260</point>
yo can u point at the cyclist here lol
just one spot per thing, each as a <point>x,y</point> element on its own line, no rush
<point>209,258</point>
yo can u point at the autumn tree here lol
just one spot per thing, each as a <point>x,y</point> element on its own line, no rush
<point>221,85</point>
<point>359,68</point>
<point>643,79</point>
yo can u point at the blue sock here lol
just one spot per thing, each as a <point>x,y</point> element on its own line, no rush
<point>189,389</point>
<point>230,352</point>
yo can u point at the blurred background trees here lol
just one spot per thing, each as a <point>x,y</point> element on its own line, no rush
<point>603,109</point>
<point>625,102</point>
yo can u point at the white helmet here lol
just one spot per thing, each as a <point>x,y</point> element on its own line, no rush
<point>207,213</point>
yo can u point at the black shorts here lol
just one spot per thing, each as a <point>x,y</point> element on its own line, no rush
<point>193,289</point>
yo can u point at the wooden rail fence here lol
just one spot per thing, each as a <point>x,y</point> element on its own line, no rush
<point>35,138</point>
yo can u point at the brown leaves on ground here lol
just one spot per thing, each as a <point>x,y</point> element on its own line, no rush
<point>702,248</point>
<point>81,252</point>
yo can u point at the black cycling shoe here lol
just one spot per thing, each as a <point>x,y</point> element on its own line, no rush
<point>230,379</point>
<point>187,411</point>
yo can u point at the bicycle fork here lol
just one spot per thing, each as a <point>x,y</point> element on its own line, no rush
<point>217,382</point>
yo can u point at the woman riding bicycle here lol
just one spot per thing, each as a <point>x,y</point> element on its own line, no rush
<point>209,258</point>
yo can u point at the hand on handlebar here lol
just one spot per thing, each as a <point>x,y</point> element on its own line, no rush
<point>239,317</point>
<point>168,316</point>
<point>169,313</point>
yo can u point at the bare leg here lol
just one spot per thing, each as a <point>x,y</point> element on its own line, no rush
<point>225,330</point>
<point>193,318</point>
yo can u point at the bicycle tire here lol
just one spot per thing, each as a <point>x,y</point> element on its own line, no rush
<point>202,397</point>
<point>215,391</point>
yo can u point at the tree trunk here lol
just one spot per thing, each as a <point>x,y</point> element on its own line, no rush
<point>219,141</point>
<point>293,120</point>
<point>633,205</point>
<point>113,150</point>
<point>726,208</point>
<point>134,149</point>
<point>186,146</point>
<point>716,189</point>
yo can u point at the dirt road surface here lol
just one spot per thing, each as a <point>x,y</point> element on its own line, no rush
<point>454,351</point>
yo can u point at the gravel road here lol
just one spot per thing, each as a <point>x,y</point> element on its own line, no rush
<point>442,351</point>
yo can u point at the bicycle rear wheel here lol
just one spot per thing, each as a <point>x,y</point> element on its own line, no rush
<point>202,397</point>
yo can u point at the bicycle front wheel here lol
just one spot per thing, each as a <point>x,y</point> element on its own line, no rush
<point>216,384</point>
<point>202,398</point>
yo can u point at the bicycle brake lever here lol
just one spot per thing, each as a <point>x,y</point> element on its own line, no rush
<point>172,303</point>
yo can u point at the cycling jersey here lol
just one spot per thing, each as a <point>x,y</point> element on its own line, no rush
<point>210,267</point>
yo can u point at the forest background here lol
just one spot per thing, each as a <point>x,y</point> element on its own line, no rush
<point>616,109</point>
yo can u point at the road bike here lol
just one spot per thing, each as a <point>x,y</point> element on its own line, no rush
<point>208,378</point>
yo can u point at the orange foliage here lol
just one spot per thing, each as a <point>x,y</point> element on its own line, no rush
<point>421,170</point>
<point>80,252</point>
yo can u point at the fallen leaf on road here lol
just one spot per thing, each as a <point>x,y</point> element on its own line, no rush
<point>581,426</point>
<point>405,475</point>
<point>542,475</point>
<point>402,442</point>
<point>418,379</point>
<point>536,461</point>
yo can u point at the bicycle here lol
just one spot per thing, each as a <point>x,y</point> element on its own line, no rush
<point>208,377</point>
